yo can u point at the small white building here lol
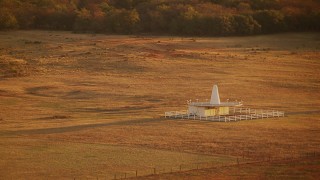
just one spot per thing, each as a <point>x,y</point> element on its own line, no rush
<point>212,108</point>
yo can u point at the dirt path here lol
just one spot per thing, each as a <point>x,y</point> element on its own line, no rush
<point>75,128</point>
<point>88,126</point>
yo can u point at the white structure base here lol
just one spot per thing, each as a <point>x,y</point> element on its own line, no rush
<point>238,114</point>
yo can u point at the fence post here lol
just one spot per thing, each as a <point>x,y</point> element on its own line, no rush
<point>136,173</point>
<point>154,170</point>
<point>125,175</point>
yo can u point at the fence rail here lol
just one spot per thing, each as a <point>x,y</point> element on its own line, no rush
<point>315,155</point>
<point>236,114</point>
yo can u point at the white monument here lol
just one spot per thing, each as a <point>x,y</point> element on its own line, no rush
<point>212,108</point>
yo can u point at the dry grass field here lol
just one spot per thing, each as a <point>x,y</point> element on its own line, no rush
<point>87,106</point>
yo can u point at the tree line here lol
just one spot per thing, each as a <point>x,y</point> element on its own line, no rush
<point>170,17</point>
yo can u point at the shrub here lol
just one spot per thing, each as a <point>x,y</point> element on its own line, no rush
<point>7,20</point>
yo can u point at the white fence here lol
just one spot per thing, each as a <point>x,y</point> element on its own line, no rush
<point>237,114</point>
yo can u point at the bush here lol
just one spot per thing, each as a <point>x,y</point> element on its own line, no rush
<point>246,25</point>
<point>7,20</point>
<point>122,21</point>
<point>270,20</point>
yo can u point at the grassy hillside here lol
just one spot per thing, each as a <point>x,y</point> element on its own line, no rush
<point>86,103</point>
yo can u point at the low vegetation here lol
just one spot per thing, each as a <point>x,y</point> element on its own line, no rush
<point>12,67</point>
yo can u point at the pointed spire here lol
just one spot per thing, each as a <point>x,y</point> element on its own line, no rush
<point>215,99</point>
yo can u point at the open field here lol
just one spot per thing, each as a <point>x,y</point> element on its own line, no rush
<point>82,105</point>
<point>302,169</point>
<point>42,159</point>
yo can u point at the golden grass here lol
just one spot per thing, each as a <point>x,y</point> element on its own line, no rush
<point>78,89</point>
<point>291,136</point>
<point>304,169</point>
<point>51,159</point>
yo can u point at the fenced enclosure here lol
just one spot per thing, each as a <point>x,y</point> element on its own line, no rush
<point>235,114</point>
